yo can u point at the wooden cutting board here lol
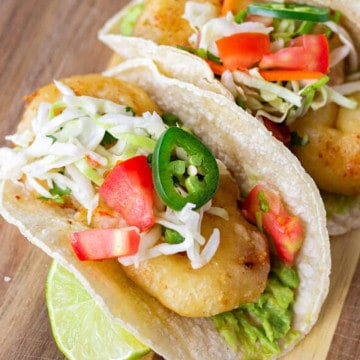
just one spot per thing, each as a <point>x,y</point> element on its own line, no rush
<point>36,47</point>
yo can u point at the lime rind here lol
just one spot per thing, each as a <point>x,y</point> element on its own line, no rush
<point>81,328</point>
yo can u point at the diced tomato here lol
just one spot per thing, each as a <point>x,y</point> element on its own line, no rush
<point>100,244</point>
<point>260,199</point>
<point>129,190</point>
<point>286,232</point>
<point>264,206</point>
<point>242,50</point>
<point>279,131</point>
<point>306,52</point>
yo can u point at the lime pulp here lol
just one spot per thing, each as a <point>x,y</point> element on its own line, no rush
<point>81,329</point>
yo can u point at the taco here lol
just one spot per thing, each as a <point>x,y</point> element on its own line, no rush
<point>289,65</point>
<point>78,184</point>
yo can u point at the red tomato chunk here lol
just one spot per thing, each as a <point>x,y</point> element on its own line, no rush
<point>100,244</point>
<point>264,208</point>
<point>306,52</point>
<point>129,190</point>
<point>242,50</point>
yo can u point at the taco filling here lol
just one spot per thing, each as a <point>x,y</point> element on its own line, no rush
<point>292,66</point>
<point>150,194</point>
<point>300,80</point>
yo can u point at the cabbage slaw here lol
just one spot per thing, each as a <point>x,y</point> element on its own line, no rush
<point>61,153</point>
<point>277,101</point>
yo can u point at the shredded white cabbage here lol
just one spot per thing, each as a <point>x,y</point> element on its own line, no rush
<point>282,101</point>
<point>339,54</point>
<point>336,97</point>
<point>187,223</point>
<point>61,150</point>
<point>203,16</point>
<point>221,27</point>
<point>347,41</point>
<point>347,88</point>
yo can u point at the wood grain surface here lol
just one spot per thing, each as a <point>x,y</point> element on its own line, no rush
<point>42,40</point>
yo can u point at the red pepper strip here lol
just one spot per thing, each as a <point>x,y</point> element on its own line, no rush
<point>287,75</point>
<point>243,50</point>
<point>129,190</point>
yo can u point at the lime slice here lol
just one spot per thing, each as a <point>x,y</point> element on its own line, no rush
<point>82,330</point>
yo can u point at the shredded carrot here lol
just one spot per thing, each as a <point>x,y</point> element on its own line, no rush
<point>91,161</point>
<point>284,75</point>
<point>227,6</point>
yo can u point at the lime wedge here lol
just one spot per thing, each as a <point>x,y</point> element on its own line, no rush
<point>82,330</point>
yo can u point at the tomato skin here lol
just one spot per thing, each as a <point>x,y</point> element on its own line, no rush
<point>242,50</point>
<point>100,244</point>
<point>285,230</point>
<point>252,203</point>
<point>318,48</point>
<point>129,190</point>
<point>306,52</point>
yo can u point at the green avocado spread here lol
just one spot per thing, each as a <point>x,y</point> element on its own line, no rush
<point>257,328</point>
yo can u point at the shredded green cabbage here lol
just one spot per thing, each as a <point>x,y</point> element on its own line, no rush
<point>74,142</point>
<point>282,101</point>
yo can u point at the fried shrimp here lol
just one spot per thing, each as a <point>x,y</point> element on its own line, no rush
<point>238,271</point>
<point>332,153</point>
<point>163,22</point>
<point>236,274</point>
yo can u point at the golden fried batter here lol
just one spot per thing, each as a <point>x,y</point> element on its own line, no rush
<point>238,271</point>
<point>236,274</point>
<point>332,156</point>
<point>93,85</point>
<point>162,22</point>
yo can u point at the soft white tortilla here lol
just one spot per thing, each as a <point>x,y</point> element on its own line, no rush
<point>184,66</point>
<point>172,61</point>
<point>167,333</point>
<point>247,149</point>
<point>181,65</point>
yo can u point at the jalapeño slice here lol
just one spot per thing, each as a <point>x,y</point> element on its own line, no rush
<point>290,11</point>
<point>184,170</point>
